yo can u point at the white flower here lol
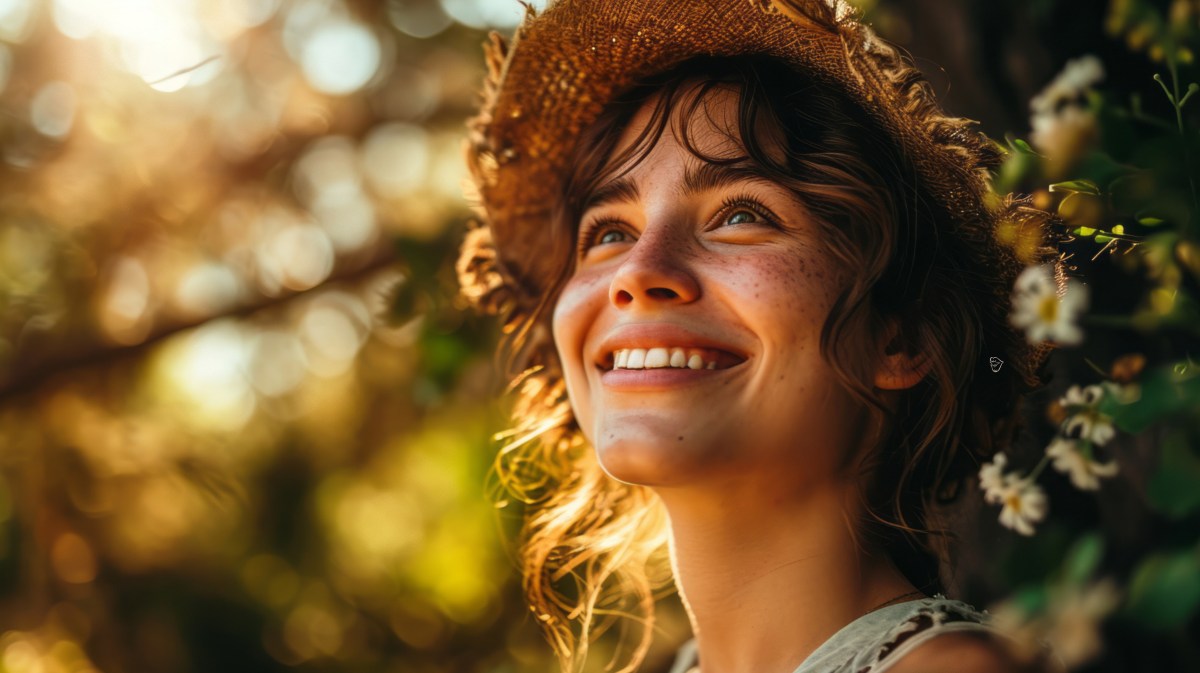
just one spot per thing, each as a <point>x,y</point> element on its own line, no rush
<point>1064,135</point>
<point>1077,76</point>
<point>991,478</point>
<point>1034,280</point>
<point>1077,396</point>
<point>1023,500</point>
<point>1060,127</point>
<point>1041,312</point>
<point>1081,73</point>
<point>1085,421</point>
<point>1074,631</point>
<point>1090,425</point>
<point>1069,625</point>
<point>1024,504</point>
<point>1085,471</point>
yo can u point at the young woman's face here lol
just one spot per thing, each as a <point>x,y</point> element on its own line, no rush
<point>689,331</point>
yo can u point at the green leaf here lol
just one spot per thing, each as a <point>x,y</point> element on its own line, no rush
<point>1150,221</point>
<point>1118,229</point>
<point>1021,146</point>
<point>1084,558</point>
<point>1103,238</point>
<point>1160,394</point>
<point>1017,167</point>
<point>1174,489</point>
<point>1080,186</point>
<point>1032,600</point>
<point>1083,231</point>
<point>1165,590</point>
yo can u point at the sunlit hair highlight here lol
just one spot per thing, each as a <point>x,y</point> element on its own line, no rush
<point>593,550</point>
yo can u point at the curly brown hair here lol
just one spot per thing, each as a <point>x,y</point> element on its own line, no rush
<point>593,548</point>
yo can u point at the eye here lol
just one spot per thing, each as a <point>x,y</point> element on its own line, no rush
<point>611,236</point>
<point>741,217</point>
<point>601,232</point>
<point>745,210</point>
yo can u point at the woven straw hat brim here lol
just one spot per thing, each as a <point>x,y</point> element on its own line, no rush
<point>566,63</point>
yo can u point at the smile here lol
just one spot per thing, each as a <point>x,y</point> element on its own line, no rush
<point>662,352</point>
<point>658,358</point>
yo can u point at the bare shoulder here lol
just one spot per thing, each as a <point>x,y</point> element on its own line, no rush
<point>962,652</point>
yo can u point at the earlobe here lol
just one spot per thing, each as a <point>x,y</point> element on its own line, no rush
<point>899,369</point>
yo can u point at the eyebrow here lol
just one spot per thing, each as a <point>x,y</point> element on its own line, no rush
<point>697,178</point>
<point>708,176</point>
<point>621,190</point>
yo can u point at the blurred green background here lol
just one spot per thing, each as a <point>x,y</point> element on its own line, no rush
<point>245,424</point>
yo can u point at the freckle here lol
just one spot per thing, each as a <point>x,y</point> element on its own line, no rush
<point>679,438</point>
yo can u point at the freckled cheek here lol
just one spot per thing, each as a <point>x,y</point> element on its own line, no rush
<point>786,291</point>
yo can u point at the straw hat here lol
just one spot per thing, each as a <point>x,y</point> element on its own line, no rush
<point>563,65</point>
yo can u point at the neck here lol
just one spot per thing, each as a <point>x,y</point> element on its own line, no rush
<point>766,585</point>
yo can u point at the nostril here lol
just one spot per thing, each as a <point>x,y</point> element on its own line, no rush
<point>623,297</point>
<point>662,293</point>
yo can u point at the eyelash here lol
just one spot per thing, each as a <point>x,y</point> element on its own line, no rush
<point>588,233</point>
<point>747,202</point>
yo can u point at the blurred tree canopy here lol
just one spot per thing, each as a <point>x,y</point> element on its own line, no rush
<point>246,425</point>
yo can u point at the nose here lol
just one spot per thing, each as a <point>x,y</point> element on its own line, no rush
<point>655,271</point>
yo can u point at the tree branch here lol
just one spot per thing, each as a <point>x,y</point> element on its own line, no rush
<point>26,379</point>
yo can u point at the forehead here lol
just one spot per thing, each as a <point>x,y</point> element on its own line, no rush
<point>704,117</point>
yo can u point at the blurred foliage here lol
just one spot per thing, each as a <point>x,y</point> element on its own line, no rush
<point>1117,159</point>
<point>245,423</point>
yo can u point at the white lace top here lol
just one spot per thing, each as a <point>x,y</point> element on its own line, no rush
<point>874,642</point>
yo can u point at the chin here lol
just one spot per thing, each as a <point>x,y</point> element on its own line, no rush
<point>647,454</point>
<point>633,462</point>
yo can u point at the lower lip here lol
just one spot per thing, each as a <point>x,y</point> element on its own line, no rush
<point>665,378</point>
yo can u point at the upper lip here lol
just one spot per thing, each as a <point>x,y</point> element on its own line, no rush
<point>652,335</point>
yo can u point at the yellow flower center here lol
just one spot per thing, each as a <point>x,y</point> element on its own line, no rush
<point>1048,309</point>
<point>1013,501</point>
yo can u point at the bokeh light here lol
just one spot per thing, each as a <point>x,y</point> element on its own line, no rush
<point>277,363</point>
<point>16,19</point>
<point>418,18</point>
<point>227,19</point>
<point>153,39</point>
<point>395,159</point>
<point>52,109</point>
<point>291,252</point>
<point>209,371</point>
<point>484,14</point>
<point>123,313</point>
<point>208,288</point>
<point>340,57</point>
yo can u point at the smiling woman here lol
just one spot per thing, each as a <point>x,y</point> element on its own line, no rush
<point>751,292</point>
<point>700,256</point>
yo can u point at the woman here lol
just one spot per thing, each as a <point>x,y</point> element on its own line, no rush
<point>751,295</point>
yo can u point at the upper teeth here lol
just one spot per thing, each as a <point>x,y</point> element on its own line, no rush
<point>654,358</point>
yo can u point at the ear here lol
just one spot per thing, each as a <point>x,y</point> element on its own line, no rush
<point>898,369</point>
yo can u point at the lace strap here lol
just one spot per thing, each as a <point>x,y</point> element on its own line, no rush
<point>914,639</point>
